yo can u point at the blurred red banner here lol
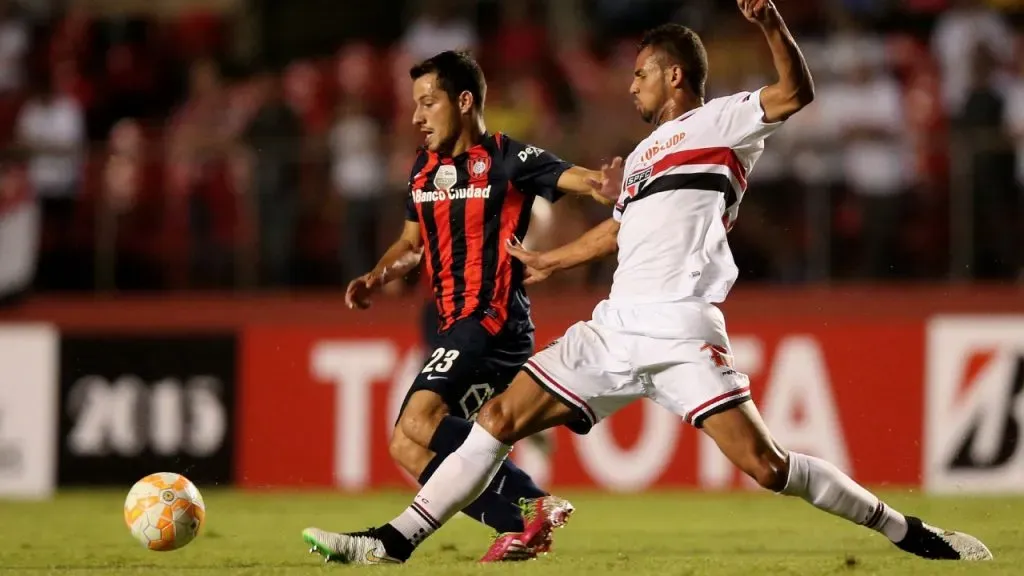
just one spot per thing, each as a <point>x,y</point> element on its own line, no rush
<point>917,386</point>
<point>318,404</point>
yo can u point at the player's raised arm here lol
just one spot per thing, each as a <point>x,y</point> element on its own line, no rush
<point>794,88</point>
<point>599,241</point>
<point>402,257</point>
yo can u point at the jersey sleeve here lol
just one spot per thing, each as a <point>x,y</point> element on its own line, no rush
<point>411,215</point>
<point>410,208</point>
<point>741,119</point>
<point>532,170</point>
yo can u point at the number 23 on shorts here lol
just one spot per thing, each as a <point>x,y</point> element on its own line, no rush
<point>441,360</point>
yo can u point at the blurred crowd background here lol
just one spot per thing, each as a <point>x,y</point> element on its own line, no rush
<point>266,144</point>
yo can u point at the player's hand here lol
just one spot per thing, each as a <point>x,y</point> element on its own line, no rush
<point>607,189</point>
<point>359,290</point>
<point>758,11</point>
<point>537,268</point>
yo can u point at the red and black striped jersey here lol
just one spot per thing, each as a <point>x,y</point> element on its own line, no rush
<point>468,206</point>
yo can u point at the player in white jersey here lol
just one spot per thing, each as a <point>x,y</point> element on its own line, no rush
<point>659,334</point>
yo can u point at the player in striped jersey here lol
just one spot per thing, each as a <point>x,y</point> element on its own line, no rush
<point>659,334</point>
<point>470,192</point>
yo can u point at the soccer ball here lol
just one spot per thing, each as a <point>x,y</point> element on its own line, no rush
<point>164,511</point>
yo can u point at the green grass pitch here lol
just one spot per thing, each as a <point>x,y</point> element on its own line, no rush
<point>659,534</point>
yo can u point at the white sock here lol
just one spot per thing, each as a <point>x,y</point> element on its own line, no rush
<point>827,488</point>
<point>461,478</point>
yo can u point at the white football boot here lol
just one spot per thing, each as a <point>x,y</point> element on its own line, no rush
<point>354,548</point>
<point>937,544</point>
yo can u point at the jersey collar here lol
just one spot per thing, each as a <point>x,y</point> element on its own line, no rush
<point>686,115</point>
<point>483,138</point>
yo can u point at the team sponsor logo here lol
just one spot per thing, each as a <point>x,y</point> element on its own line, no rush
<point>658,146</point>
<point>974,405</point>
<point>421,196</point>
<point>445,177</point>
<point>479,166</point>
<point>530,151</point>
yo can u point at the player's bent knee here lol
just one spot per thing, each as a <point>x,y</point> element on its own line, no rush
<point>418,430</point>
<point>421,417</point>
<point>412,457</point>
<point>498,420</point>
<point>398,448</point>
<point>767,469</point>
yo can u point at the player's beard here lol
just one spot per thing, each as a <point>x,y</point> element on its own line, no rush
<point>645,114</point>
<point>446,145</point>
<point>451,133</point>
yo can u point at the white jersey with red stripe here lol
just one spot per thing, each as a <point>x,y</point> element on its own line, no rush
<point>681,194</point>
<point>659,334</point>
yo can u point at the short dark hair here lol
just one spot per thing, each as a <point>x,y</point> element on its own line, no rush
<point>457,72</point>
<point>684,47</point>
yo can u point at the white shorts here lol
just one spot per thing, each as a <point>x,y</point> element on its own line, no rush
<point>678,355</point>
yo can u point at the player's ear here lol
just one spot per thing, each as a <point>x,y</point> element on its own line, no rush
<point>675,76</point>
<point>466,102</point>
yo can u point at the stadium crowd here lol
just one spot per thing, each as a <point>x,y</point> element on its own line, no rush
<point>138,154</point>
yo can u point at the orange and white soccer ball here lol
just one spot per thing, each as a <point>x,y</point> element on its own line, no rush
<point>164,511</point>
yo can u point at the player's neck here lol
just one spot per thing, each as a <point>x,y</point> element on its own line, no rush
<point>675,108</point>
<point>469,137</point>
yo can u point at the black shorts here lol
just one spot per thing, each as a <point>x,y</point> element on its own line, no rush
<point>468,365</point>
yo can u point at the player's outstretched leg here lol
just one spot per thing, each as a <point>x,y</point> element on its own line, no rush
<point>498,506</point>
<point>524,409</point>
<point>743,437</point>
<point>509,500</point>
<point>424,437</point>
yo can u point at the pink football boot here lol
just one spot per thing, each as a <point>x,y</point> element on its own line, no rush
<point>540,517</point>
